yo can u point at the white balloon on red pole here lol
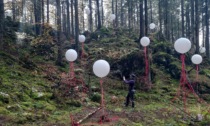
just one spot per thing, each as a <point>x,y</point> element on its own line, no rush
<point>71,55</point>
<point>152,26</point>
<point>101,68</point>
<point>145,41</point>
<point>196,59</point>
<point>182,45</point>
<point>202,50</point>
<point>81,38</point>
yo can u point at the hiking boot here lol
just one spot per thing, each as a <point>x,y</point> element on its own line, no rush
<point>133,105</point>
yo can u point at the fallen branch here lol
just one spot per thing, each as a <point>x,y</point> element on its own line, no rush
<point>88,115</point>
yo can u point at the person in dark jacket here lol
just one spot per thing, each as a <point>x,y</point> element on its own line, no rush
<point>130,96</point>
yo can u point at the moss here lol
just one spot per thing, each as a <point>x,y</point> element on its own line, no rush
<point>50,107</point>
<point>75,103</point>
<point>5,98</point>
<point>4,111</point>
<point>95,97</point>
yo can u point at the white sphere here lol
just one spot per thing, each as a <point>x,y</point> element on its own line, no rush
<point>182,45</point>
<point>87,10</point>
<point>196,59</point>
<point>202,49</point>
<point>81,38</point>
<point>145,41</point>
<point>112,17</point>
<point>71,55</point>
<point>101,68</point>
<point>152,26</point>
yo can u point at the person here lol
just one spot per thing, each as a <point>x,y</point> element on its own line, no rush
<point>130,96</point>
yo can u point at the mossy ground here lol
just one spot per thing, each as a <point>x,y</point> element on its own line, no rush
<point>27,96</point>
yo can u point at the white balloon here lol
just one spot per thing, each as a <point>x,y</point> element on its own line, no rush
<point>152,26</point>
<point>112,17</point>
<point>202,49</point>
<point>71,55</point>
<point>182,45</point>
<point>196,59</point>
<point>81,38</point>
<point>145,41</point>
<point>101,68</point>
<point>87,10</point>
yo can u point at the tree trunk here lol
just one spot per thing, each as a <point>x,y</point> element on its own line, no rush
<point>59,43</point>
<point>102,12</point>
<point>160,14</point>
<point>76,26</point>
<point>90,17</point>
<point>116,14</point>
<point>37,15</point>
<point>146,17</point>
<point>113,6</point>
<point>122,13</point>
<point>151,18</point>
<point>192,21</point>
<point>188,20</point>
<point>141,20</point>
<point>166,26</point>
<point>64,17</point>
<point>196,26</point>
<point>207,29</point>
<point>129,17</point>
<point>68,19</point>
<point>1,22</point>
<point>43,12</point>
<point>98,12</point>
<point>182,15</point>
<point>13,10</point>
<point>48,11</point>
<point>72,17</point>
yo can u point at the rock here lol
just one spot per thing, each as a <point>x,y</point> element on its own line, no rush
<point>5,98</point>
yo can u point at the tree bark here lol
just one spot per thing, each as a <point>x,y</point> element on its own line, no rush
<point>72,17</point>
<point>196,26</point>
<point>160,15</point>
<point>182,15</point>
<point>146,17</point>
<point>37,15</point>
<point>1,23</point>
<point>116,13</point>
<point>48,11</point>
<point>90,17</point>
<point>13,10</point>
<point>76,26</point>
<point>59,43</point>
<point>192,21</point>
<point>141,20</point>
<point>122,13</point>
<point>98,12</point>
<point>207,29</point>
<point>68,19</point>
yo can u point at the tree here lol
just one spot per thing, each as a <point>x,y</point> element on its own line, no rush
<point>68,19</point>
<point>72,17</point>
<point>90,16</point>
<point>1,22</point>
<point>116,13</point>
<point>182,15</point>
<point>48,18</point>
<point>37,15</point>
<point>196,27</point>
<point>141,20</point>
<point>13,10</point>
<point>76,26</point>
<point>192,4</point>
<point>146,17</point>
<point>207,29</point>
<point>122,13</point>
<point>98,12</point>
<point>59,43</point>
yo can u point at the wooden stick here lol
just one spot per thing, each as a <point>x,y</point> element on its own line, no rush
<point>88,115</point>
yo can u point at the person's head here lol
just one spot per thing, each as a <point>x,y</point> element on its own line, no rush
<point>132,76</point>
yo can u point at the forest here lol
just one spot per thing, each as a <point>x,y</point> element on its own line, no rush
<point>104,62</point>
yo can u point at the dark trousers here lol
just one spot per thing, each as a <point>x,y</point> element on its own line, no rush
<point>129,97</point>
